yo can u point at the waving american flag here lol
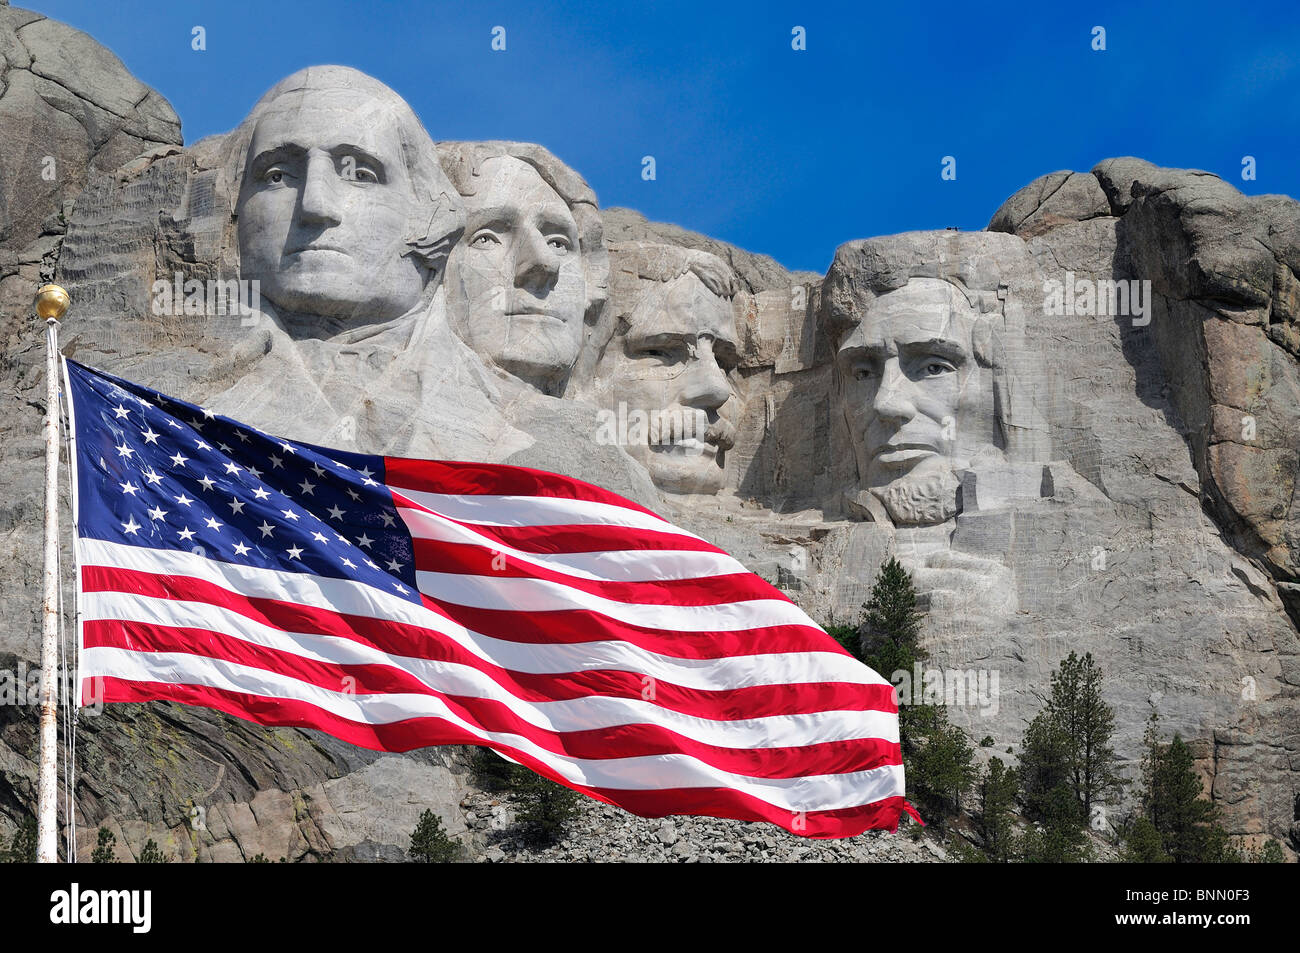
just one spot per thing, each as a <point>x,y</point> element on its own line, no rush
<point>398,603</point>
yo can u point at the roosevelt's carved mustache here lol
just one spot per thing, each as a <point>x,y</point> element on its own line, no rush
<point>670,428</point>
<point>721,433</point>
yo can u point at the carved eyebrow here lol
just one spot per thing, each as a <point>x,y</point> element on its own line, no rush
<point>277,153</point>
<point>943,347</point>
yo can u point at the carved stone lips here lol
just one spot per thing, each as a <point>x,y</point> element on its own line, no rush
<point>903,452</point>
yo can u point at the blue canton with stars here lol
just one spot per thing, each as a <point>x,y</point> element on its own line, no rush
<point>160,473</point>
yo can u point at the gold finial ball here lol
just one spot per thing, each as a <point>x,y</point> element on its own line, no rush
<point>52,302</point>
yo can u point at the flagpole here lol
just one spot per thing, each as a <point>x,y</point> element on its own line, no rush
<point>51,304</point>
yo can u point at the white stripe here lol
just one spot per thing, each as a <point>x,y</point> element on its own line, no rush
<point>807,793</point>
<point>498,510</point>
<point>544,595</point>
<point>622,565</point>
<point>578,714</point>
<point>354,598</point>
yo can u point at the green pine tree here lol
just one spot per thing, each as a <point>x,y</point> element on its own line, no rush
<point>937,757</point>
<point>891,623</point>
<point>430,843</point>
<point>150,854</point>
<point>105,849</point>
<point>997,795</point>
<point>1176,822</point>
<point>22,848</point>
<point>1075,703</point>
<point>547,808</point>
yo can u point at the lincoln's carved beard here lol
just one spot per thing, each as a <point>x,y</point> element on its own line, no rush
<point>923,497</point>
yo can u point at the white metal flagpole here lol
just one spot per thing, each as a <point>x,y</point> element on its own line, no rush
<point>51,304</point>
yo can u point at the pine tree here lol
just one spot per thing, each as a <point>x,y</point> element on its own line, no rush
<point>1176,822</point>
<point>150,854</point>
<point>22,848</point>
<point>891,623</point>
<point>997,794</point>
<point>1044,766</point>
<point>104,852</point>
<point>547,808</point>
<point>430,843</point>
<point>937,757</point>
<point>1088,722</point>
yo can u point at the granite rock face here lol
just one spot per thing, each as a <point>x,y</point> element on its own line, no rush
<point>1114,471</point>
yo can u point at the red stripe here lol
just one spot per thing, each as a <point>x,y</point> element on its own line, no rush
<point>559,627</point>
<point>582,538</point>
<point>477,560</point>
<point>442,476</point>
<point>422,732</point>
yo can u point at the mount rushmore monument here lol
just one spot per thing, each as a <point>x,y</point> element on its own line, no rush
<point>1079,429</point>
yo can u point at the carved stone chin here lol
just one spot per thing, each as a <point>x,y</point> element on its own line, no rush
<point>921,500</point>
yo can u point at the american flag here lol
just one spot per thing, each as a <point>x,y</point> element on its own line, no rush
<point>398,603</point>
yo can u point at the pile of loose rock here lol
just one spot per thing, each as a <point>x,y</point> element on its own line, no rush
<point>604,833</point>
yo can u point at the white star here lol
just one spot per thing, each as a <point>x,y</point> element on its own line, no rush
<point>319,538</point>
<point>289,514</point>
<point>295,552</point>
<point>243,437</point>
<point>203,446</point>
<point>261,494</point>
<point>349,563</point>
<point>196,424</point>
<point>256,473</point>
<point>207,483</point>
<point>287,449</point>
<point>157,513</point>
<point>178,460</point>
<point>130,526</point>
<point>400,588</point>
<point>184,500</point>
<point>335,512</point>
<point>152,476</point>
<point>129,487</point>
<point>366,474</point>
<point>224,447</point>
<point>388,519</point>
<point>233,468</point>
<point>315,468</point>
<point>394,566</point>
<point>236,505</point>
<point>241,549</point>
<point>276,462</point>
<point>125,451</point>
<point>266,528</point>
<point>342,538</point>
<point>354,494</point>
<point>186,534</point>
<point>340,464</point>
<point>172,423</point>
<point>371,564</point>
<point>150,436</point>
<point>308,488</point>
<point>207,413</point>
<point>364,540</point>
<point>213,524</point>
<point>120,411</point>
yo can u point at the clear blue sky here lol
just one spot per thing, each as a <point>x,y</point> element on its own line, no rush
<point>783,152</point>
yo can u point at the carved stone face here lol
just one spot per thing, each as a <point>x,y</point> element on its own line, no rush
<point>917,403</point>
<point>516,287</point>
<point>323,209</point>
<point>665,381</point>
